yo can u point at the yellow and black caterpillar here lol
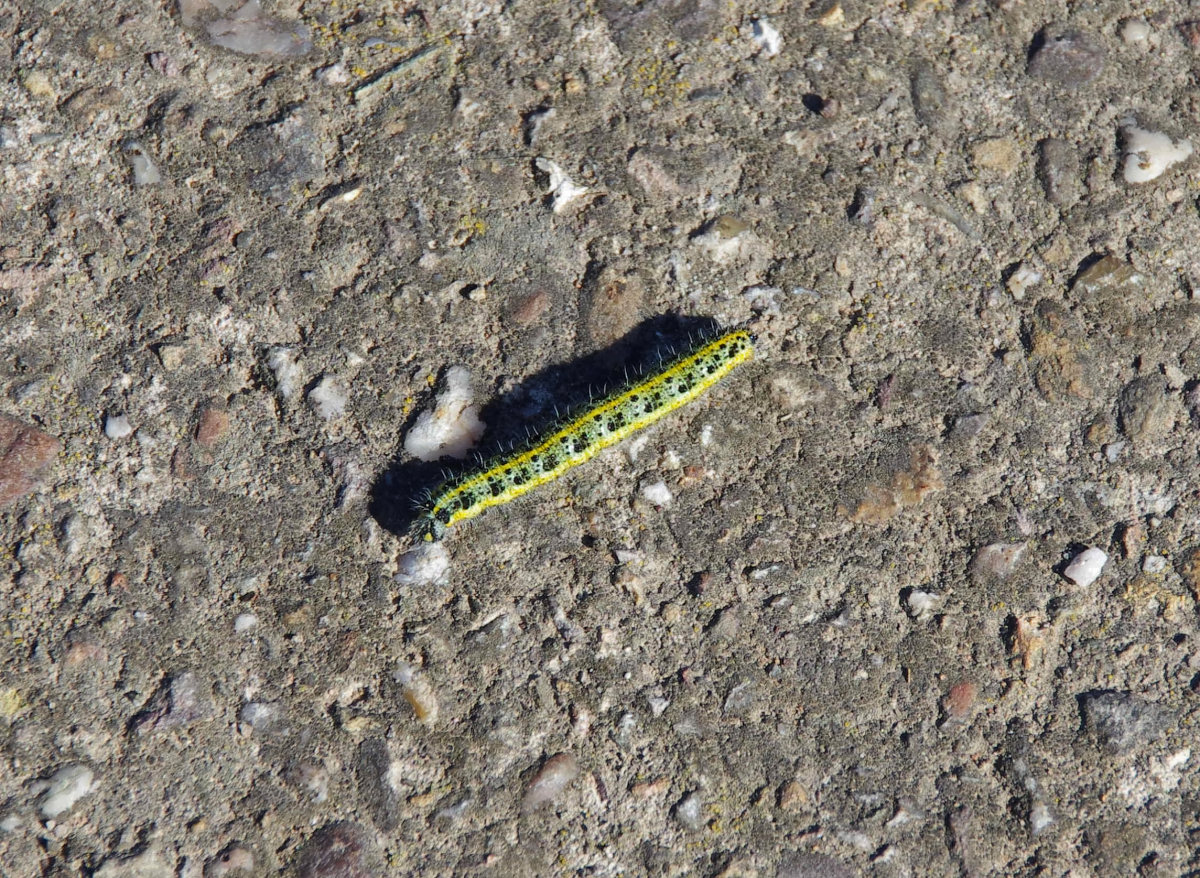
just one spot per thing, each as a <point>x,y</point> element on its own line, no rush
<point>604,423</point>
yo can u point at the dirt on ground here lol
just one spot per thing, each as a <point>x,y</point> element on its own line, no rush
<point>913,593</point>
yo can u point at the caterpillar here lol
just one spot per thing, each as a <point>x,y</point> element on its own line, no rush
<point>583,435</point>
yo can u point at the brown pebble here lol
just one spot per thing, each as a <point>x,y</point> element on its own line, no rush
<point>1056,351</point>
<point>338,850</point>
<point>882,501</point>
<point>529,307</point>
<point>649,789</point>
<point>1027,641</point>
<point>550,780</point>
<point>213,424</point>
<point>998,154</point>
<point>792,796</point>
<point>181,464</point>
<point>25,451</point>
<point>959,700</point>
<point>85,105</point>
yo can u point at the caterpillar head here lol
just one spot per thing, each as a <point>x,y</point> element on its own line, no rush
<point>429,528</point>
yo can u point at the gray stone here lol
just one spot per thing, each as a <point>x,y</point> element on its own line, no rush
<point>1123,722</point>
<point>1068,59</point>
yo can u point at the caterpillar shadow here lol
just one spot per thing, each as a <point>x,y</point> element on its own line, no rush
<point>531,409</point>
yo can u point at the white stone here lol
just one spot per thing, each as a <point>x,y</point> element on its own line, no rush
<point>328,398</point>
<point>452,427</point>
<point>1148,154</point>
<point>1085,567</point>
<point>1154,564</point>
<point>9,823</point>
<point>424,564</point>
<point>245,622</point>
<point>1040,818</point>
<point>923,604</point>
<point>658,494</point>
<point>1022,279</point>
<point>117,427</point>
<point>67,786</point>
<point>288,377</point>
<point>768,38</point>
<point>562,189</point>
<point>145,173</point>
<point>1135,30</point>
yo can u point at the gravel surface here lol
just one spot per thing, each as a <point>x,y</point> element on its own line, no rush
<point>914,593</point>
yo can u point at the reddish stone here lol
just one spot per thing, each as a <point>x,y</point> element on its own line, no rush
<point>960,700</point>
<point>24,452</point>
<point>213,424</point>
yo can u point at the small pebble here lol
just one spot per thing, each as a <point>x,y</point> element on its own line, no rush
<point>333,75</point>
<point>690,812</point>
<point>11,823</point>
<point>726,624</point>
<point>1154,564</point>
<point>793,796</point>
<point>931,102</point>
<point>328,399</point>
<point>968,426</point>
<point>162,64</point>
<point>149,863</point>
<point>339,850</point>
<point>1124,722</point>
<point>997,560</point>
<point>1145,410</point>
<point>452,427</point>
<point>1135,30</point>
<point>249,32</point>
<point>1148,154</point>
<point>812,865</point>
<point>658,494</point>
<point>244,623</point>
<point>25,452</point>
<point>233,859</point>
<point>922,604</point>
<point>768,38</point>
<point>67,786</point>
<point>1109,272</point>
<point>563,191</point>
<point>550,780</point>
<point>214,422</point>
<point>1085,567</point>
<point>1040,818</point>
<point>740,697</point>
<point>314,778</point>
<point>145,172</point>
<point>288,377</point>
<point>998,154</point>
<point>171,356</point>
<point>418,693</point>
<point>117,427</point>
<point>1058,171</point>
<point>1022,279</point>
<point>263,717</point>
<point>423,564</point>
<point>1069,59</point>
<point>959,701</point>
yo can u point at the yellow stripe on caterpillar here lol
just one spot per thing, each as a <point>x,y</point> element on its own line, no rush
<point>605,423</point>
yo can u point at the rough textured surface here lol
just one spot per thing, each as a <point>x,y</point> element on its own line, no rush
<point>845,647</point>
